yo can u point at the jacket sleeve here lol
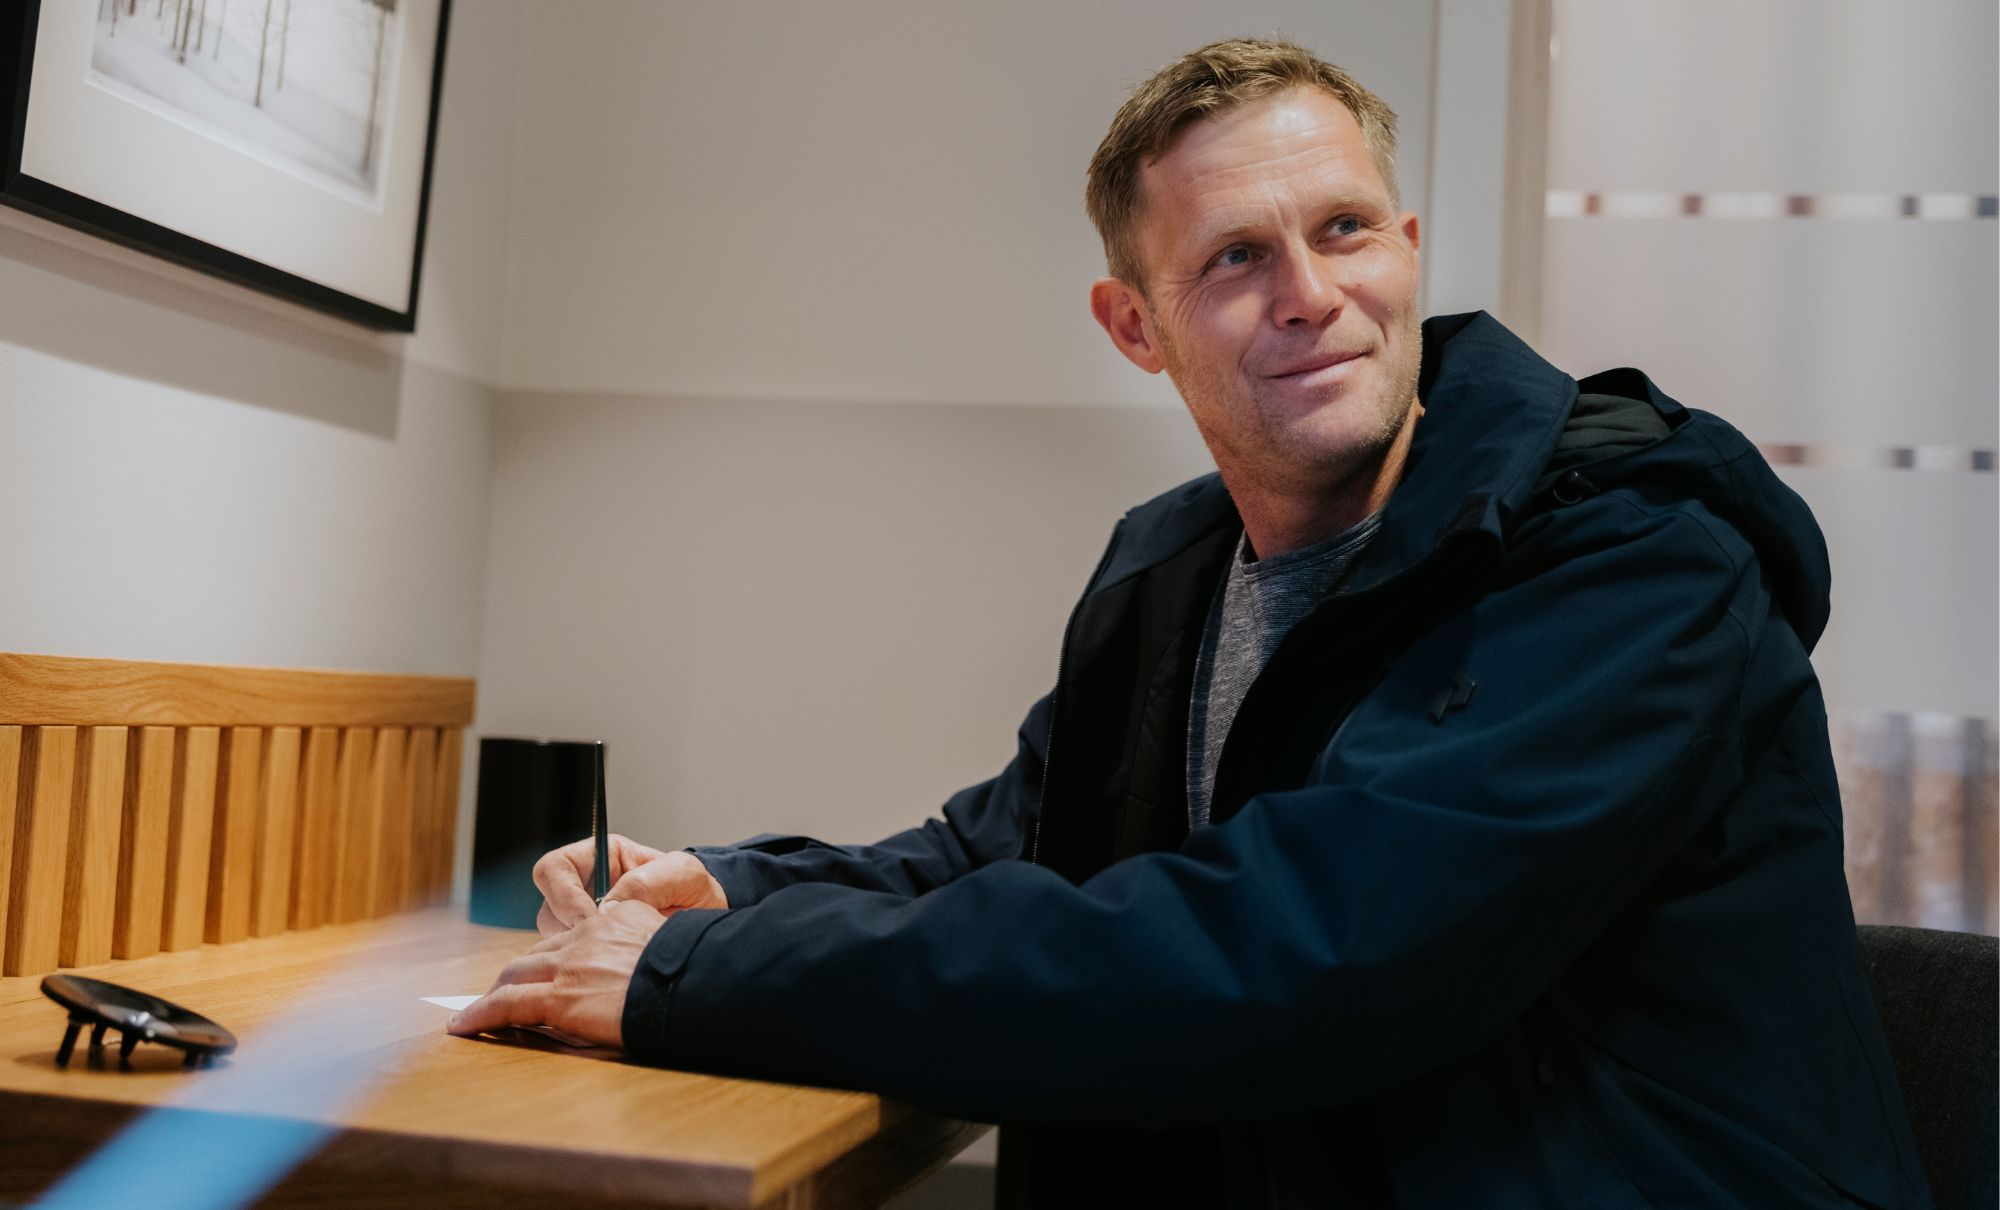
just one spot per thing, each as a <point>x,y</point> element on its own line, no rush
<point>1321,945</point>
<point>979,825</point>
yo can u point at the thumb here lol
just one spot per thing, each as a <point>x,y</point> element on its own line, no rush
<point>659,884</point>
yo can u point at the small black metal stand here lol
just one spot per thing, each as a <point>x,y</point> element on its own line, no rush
<point>137,1016</point>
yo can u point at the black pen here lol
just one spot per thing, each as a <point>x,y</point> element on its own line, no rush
<point>600,878</point>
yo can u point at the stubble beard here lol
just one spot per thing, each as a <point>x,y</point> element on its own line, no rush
<point>1281,459</point>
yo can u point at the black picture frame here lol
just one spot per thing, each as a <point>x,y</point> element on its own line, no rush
<point>53,202</point>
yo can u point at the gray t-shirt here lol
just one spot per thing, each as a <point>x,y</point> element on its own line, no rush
<point>1255,606</point>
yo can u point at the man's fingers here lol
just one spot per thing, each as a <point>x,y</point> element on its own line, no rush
<point>546,922</point>
<point>636,884</point>
<point>674,880</point>
<point>531,967</point>
<point>559,875</point>
<point>509,1004</point>
<point>665,882</point>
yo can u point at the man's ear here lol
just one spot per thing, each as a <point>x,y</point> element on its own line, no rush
<point>1122,314</point>
<point>1409,225</point>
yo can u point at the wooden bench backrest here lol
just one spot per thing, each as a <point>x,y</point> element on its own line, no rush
<point>154,806</point>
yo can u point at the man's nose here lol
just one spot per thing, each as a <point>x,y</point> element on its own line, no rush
<point>1307,290</point>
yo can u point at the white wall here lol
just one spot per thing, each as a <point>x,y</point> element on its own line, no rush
<point>796,617</point>
<point>863,202</point>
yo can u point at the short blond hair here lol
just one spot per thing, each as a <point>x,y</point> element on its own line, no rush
<point>1216,79</point>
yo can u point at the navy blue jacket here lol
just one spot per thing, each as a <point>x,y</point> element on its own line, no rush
<point>1524,888</point>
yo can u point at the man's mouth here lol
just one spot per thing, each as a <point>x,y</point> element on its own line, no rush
<point>1299,369</point>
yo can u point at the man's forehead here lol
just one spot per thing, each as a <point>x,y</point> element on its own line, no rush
<point>1305,140</point>
<point>1301,123</point>
<point>1228,186</point>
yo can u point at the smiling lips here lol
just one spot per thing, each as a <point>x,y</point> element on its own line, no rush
<point>1319,362</point>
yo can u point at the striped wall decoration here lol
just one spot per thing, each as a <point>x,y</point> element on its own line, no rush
<point>1736,204</point>
<point>1835,456</point>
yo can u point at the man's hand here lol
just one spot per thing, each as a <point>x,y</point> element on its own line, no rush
<point>574,982</point>
<point>667,882</point>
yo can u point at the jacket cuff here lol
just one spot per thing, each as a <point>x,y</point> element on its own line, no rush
<point>649,998</point>
<point>746,874</point>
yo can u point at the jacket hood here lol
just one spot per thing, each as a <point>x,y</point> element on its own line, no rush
<point>1706,457</point>
<point>1497,420</point>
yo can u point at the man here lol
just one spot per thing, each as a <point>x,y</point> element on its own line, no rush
<point>1434,808</point>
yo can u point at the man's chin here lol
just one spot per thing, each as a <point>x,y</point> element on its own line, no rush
<point>1333,456</point>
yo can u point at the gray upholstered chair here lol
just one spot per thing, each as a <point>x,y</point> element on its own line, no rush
<point>1938,994</point>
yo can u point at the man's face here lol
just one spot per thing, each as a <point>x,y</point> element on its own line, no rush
<point>1283,293</point>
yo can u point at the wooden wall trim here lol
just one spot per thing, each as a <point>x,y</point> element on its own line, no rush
<point>191,803</point>
<point>48,690</point>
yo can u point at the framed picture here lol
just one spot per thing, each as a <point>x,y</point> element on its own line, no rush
<point>283,144</point>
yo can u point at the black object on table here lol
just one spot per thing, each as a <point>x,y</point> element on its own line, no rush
<point>534,795</point>
<point>137,1017</point>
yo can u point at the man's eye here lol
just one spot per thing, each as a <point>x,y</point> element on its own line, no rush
<point>1347,225</point>
<point>1231,257</point>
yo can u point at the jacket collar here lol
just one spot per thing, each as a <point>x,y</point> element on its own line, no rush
<point>1493,410</point>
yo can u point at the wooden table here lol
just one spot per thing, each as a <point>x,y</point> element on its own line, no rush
<point>333,1030</point>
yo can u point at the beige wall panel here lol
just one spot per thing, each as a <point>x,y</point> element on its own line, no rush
<point>392,822</point>
<point>233,862</point>
<point>318,837</point>
<point>142,858</point>
<point>199,753</point>
<point>451,746</point>
<point>41,840</point>
<point>426,833</point>
<point>96,824</point>
<point>11,783</point>
<point>277,824</point>
<point>354,860</point>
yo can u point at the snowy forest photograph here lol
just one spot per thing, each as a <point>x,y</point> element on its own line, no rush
<point>305,84</point>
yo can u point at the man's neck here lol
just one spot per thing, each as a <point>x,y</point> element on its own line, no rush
<point>1278,521</point>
